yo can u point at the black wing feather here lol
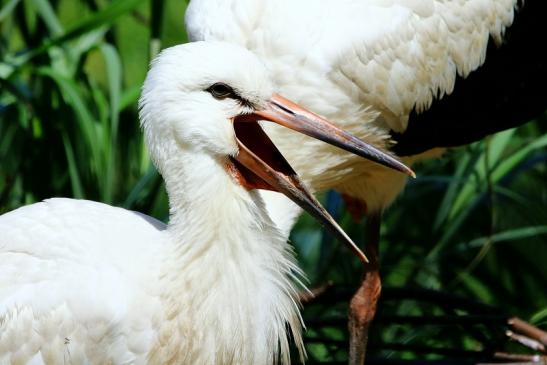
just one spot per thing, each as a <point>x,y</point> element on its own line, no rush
<point>510,89</point>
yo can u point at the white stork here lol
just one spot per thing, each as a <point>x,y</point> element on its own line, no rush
<point>86,283</point>
<point>389,71</point>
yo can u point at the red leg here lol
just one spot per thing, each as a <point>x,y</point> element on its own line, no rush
<point>362,308</point>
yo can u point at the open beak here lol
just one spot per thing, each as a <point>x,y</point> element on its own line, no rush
<point>260,165</point>
<point>288,114</point>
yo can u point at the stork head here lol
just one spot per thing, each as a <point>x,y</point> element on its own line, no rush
<point>210,96</point>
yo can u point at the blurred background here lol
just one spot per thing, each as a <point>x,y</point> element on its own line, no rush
<point>463,249</point>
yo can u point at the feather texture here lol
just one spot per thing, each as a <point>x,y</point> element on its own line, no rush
<point>364,64</point>
<point>87,283</point>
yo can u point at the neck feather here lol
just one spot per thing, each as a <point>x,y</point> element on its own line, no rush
<point>228,267</point>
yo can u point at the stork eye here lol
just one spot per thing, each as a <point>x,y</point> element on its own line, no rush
<point>221,91</point>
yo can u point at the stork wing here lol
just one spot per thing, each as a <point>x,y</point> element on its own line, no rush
<point>392,55</point>
<point>421,49</point>
<point>508,90</point>
<point>376,66</point>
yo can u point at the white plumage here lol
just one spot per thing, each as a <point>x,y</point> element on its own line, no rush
<point>86,283</point>
<point>364,64</point>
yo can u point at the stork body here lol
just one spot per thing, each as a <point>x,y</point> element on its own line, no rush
<point>371,66</point>
<point>86,283</point>
<point>391,72</point>
<point>83,282</point>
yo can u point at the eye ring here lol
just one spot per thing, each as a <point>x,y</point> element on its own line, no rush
<point>221,91</point>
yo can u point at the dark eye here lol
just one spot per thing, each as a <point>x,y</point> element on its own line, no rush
<point>221,91</point>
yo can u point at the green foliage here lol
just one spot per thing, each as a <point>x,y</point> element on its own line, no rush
<point>70,76</point>
<point>473,223</point>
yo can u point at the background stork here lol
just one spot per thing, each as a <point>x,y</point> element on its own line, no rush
<point>473,224</point>
<point>377,68</point>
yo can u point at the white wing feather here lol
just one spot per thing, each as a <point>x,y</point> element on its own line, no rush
<point>417,57</point>
<point>364,64</point>
<point>391,55</point>
<point>67,284</point>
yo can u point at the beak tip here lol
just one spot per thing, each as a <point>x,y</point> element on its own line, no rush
<point>405,169</point>
<point>360,254</point>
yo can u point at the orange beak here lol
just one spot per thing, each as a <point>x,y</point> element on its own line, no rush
<point>260,165</point>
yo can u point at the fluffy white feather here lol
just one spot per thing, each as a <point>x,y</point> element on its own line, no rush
<point>86,283</point>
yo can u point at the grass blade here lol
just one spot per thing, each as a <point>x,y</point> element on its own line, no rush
<point>7,9</point>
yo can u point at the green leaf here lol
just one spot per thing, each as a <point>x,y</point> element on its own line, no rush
<point>539,318</point>
<point>48,15</point>
<point>505,236</point>
<point>101,18</point>
<point>129,97</point>
<point>71,94</point>
<point>522,153</point>
<point>76,184</point>
<point>495,149</point>
<point>457,181</point>
<point>114,72</point>
<point>7,9</point>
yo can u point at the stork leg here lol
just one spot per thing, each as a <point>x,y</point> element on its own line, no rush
<point>362,307</point>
